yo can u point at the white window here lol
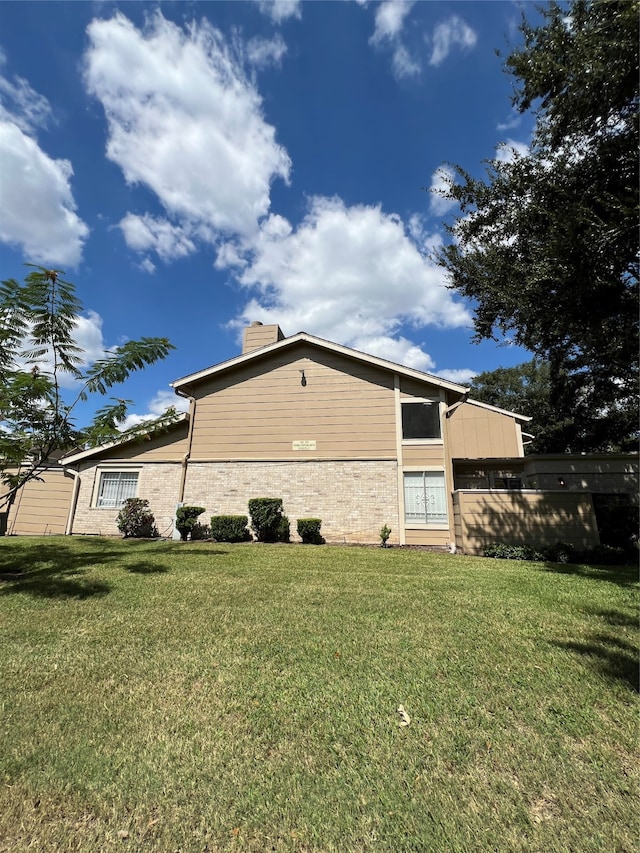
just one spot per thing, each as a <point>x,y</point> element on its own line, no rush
<point>115,487</point>
<point>421,420</point>
<point>425,497</point>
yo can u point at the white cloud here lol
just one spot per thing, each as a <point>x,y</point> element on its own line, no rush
<point>280,10</point>
<point>390,17</point>
<point>349,274</point>
<point>157,406</point>
<point>185,121</point>
<point>509,150</point>
<point>264,52</point>
<point>28,109</point>
<point>441,181</point>
<point>146,233</point>
<point>38,211</point>
<point>147,265</point>
<point>462,376</point>
<point>513,121</point>
<point>452,32</point>
<point>389,22</point>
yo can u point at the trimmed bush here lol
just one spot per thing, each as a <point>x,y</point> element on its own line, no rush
<point>200,532</point>
<point>266,519</point>
<point>136,521</point>
<point>186,519</point>
<point>309,531</point>
<point>502,551</point>
<point>561,552</point>
<point>230,528</point>
<point>283,533</point>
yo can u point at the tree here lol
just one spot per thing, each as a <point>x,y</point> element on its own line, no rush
<point>524,389</point>
<point>38,320</point>
<point>546,245</point>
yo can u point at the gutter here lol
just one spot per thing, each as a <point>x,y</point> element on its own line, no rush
<point>74,499</point>
<point>187,455</point>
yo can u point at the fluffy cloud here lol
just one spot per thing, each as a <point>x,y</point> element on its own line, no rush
<point>509,150</point>
<point>349,274</point>
<point>157,406</point>
<point>264,52</point>
<point>452,32</point>
<point>145,233</point>
<point>280,10</point>
<point>38,211</point>
<point>462,376</point>
<point>441,180</point>
<point>389,21</point>
<point>185,121</point>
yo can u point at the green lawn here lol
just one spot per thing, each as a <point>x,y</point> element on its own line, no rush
<point>164,697</point>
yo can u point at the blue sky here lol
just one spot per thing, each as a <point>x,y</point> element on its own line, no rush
<point>193,167</point>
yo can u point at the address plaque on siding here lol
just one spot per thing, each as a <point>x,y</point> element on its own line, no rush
<point>304,445</point>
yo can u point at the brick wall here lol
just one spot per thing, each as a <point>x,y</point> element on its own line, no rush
<point>158,483</point>
<point>353,499</point>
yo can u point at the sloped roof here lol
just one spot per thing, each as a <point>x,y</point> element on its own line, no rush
<point>321,343</point>
<point>126,439</point>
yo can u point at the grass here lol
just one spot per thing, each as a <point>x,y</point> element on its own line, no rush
<point>164,697</point>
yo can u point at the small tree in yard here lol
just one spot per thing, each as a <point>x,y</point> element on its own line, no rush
<point>186,520</point>
<point>38,350</point>
<point>136,521</point>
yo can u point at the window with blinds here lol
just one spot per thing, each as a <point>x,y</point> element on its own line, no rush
<point>425,497</point>
<point>115,487</point>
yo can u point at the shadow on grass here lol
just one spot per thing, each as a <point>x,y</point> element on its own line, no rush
<point>146,569</point>
<point>621,575</point>
<point>54,570</point>
<point>610,656</point>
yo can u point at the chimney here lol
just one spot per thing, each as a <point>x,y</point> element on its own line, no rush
<point>256,335</point>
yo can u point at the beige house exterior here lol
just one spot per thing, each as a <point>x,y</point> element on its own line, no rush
<point>350,438</point>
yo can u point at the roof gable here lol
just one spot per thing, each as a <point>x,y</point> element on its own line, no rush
<point>303,337</point>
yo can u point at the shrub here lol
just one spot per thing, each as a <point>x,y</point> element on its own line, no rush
<point>266,519</point>
<point>200,532</point>
<point>186,518</point>
<point>606,555</point>
<point>385,533</point>
<point>309,531</point>
<point>561,552</point>
<point>283,532</point>
<point>136,521</point>
<point>502,551</point>
<point>230,528</point>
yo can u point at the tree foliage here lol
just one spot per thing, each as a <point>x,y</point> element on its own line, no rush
<point>546,245</point>
<point>38,354</point>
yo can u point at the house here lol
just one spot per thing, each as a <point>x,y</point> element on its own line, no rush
<point>350,438</point>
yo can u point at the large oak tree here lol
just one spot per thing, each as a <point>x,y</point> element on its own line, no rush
<point>546,245</point>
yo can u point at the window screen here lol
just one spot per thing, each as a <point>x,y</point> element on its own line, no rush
<point>425,497</point>
<point>115,487</point>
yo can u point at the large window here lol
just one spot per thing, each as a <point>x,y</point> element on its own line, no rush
<point>425,497</point>
<point>115,487</point>
<point>421,419</point>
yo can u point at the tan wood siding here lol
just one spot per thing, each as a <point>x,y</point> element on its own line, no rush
<point>42,508</point>
<point>477,433</point>
<point>435,538</point>
<point>260,410</point>
<point>412,388</point>
<point>169,446</point>
<point>424,454</point>
<point>525,518</point>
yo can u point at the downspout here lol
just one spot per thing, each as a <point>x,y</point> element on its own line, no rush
<point>74,499</point>
<point>187,455</point>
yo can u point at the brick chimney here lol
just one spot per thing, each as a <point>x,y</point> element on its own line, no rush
<point>256,335</point>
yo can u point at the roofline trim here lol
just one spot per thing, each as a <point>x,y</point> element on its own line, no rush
<point>324,344</point>
<point>499,411</point>
<point>84,454</point>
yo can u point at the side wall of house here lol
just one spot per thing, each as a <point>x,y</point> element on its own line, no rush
<point>479,433</point>
<point>41,507</point>
<point>159,465</point>
<point>353,498</point>
<point>523,518</point>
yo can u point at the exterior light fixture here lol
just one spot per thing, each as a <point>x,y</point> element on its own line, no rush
<point>303,380</point>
